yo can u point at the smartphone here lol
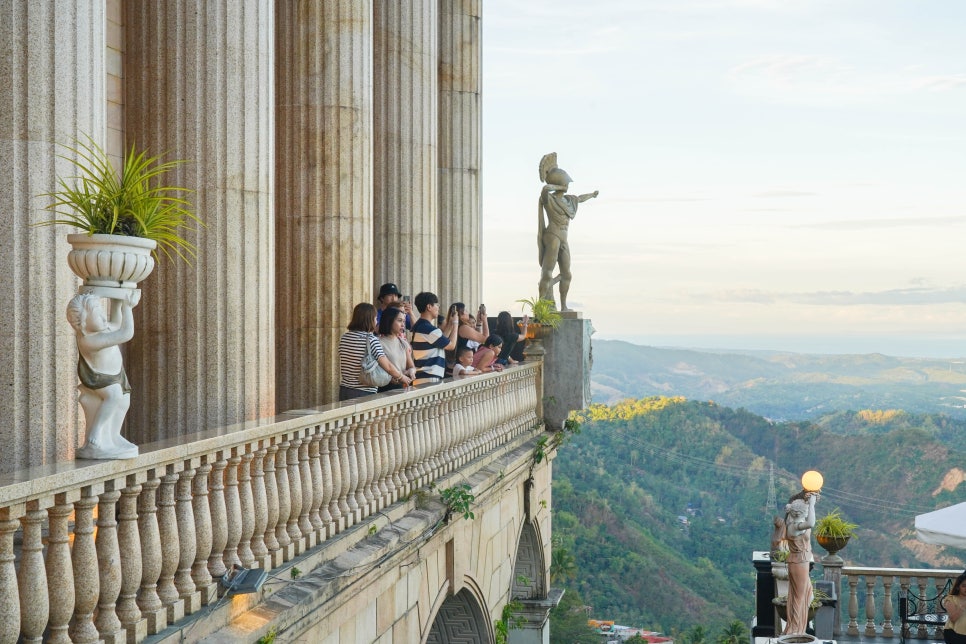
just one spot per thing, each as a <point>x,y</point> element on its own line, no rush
<point>405,298</point>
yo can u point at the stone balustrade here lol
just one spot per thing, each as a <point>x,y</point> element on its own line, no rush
<point>132,546</point>
<point>873,604</point>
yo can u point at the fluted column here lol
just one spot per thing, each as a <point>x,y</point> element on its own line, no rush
<point>199,86</point>
<point>34,601</point>
<point>9,595</point>
<point>151,558</point>
<point>324,196</point>
<point>60,574</point>
<point>405,93</point>
<point>83,557</point>
<point>108,567</point>
<point>52,62</point>
<point>460,223</point>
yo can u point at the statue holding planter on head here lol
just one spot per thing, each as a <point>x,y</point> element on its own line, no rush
<point>556,210</point>
<point>105,393</point>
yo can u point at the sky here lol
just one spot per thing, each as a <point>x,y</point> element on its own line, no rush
<point>773,174</point>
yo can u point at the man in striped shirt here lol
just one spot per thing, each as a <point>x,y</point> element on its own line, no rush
<point>431,343</point>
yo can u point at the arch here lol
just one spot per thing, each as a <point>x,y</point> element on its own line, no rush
<point>460,620</point>
<point>530,567</point>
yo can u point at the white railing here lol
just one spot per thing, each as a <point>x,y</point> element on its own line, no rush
<point>873,605</point>
<point>135,545</point>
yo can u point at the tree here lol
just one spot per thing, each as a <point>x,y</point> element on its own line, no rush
<point>733,633</point>
<point>696,635</point>
<point>563,566</point>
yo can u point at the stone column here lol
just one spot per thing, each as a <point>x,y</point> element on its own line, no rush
<point>109,569</point>
<point>199,87</point>
<point>52,66</point>
<point>324,196</point>
<point>9,594</point>
<point>84,563</point>
<point>129,542</point>
<point>151,557</point>
<point>405,228</point>
<point>460,223</point>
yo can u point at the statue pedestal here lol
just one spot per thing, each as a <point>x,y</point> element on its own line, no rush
<point>566,369</point>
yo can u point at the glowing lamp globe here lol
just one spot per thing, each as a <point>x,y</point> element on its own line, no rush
<point>812,481</point>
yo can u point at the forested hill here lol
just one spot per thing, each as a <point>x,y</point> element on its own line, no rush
<point>784,386</point>
<point>625,486</point>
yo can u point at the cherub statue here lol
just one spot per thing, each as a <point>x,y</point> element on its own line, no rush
<point>560,208</point>
<point>105,393</point>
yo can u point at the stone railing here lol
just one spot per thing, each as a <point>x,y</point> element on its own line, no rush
<point>135,545</point>
<point>873,604</point>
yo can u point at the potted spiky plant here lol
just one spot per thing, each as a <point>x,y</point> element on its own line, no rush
<point>544,320</point>
<point>832,532</point>
<point>126,216</point>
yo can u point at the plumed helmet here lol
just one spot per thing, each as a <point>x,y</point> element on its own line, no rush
<point>558,177</point>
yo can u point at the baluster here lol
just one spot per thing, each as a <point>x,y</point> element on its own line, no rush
<point>340,479</point>
<point>202,516</point>
<point>853,628</point>
<point>887,630</point>
<point>364,496</point>
<point>9,593</point>
<point>260,501</point>
<point>284,501</point>
<point>32,578</point>
<point>870,605</point>
<point>401,441</point>
<point>350,471</point>
<point>308,494</point>
<point>394,465</point>
<point>384,462</point>
<point>326,468</point>
<point>60,574</point>
<point>188,543</point>
<point>109,568</point>
<point>904,592</point>
<point>921,630</point>
<point>419,447</point>
<point>170,548</point>
<point>294,494</point>
<point>152,609</point>
<point>218,511</point>
<point>246,502</point>
<point>129,543</point>
<point>233,519</point>
<point>318,495</point>
<point>271,504</point>
<point>436,440</point>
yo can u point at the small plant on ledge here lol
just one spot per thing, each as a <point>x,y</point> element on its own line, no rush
<point>458,500</point>
<point>544,311</point>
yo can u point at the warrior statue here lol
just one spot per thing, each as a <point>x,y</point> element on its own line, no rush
<point>556,210</point>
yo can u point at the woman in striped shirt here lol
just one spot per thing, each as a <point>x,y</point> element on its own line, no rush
<point>359,340</point>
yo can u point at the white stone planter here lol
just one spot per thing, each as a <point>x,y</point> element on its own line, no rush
<point>110,260</point>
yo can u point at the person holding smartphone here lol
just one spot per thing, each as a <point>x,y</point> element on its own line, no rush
<point>388,295</point>
<point>431,343</point>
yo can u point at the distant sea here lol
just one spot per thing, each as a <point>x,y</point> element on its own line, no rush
<point>897,346</point>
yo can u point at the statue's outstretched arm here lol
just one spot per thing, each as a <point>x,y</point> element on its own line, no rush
<point>589,195</point>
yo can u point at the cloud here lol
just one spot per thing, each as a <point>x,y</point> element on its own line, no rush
<point>784,193</point>
<point>940,83</point>
<point>913,296</point>
<point>879,224</point>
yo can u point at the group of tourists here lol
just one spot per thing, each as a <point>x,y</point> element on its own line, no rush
<point>424,348</point>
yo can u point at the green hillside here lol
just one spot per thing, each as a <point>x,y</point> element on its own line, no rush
<point>782,386</point>
<point>662,501</point>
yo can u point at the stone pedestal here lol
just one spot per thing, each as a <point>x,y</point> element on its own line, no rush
<point>566,370</point>
<point>536,619</point>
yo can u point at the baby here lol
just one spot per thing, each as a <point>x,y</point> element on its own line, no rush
<point>464,364</point>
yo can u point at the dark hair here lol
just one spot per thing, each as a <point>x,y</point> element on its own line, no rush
<point>424,299</point>
<point>387,318</point>
<point>464,349</point>
<point>363,318</point>
<point>493,340</point>
<point>959,582</point>
<point>504,324</point>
